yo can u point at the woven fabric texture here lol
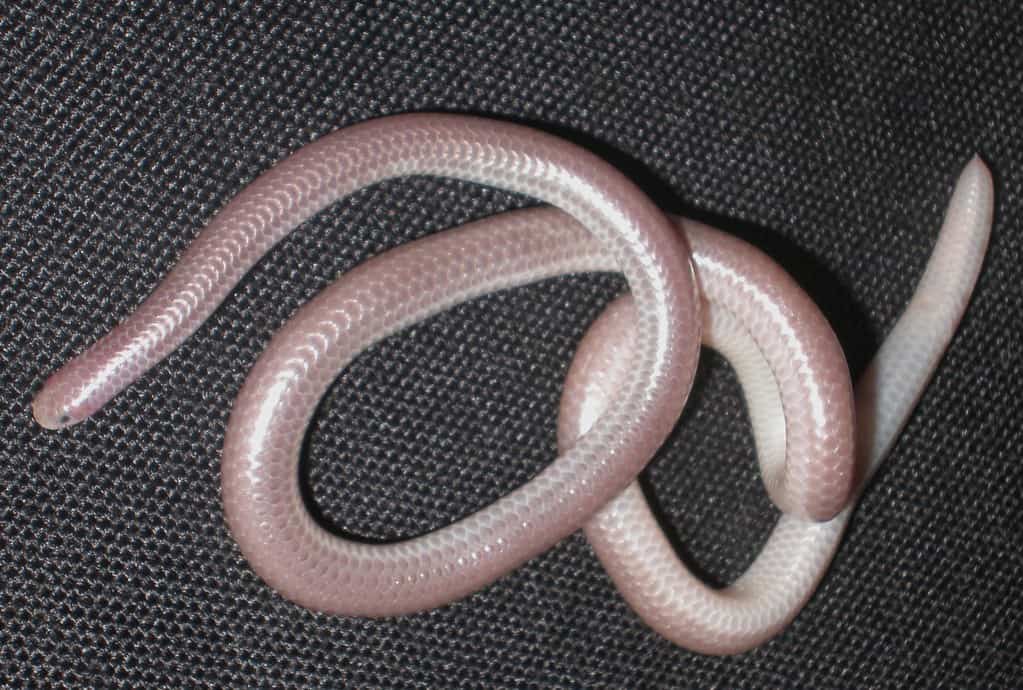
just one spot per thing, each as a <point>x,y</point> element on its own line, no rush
<point>827,133</point>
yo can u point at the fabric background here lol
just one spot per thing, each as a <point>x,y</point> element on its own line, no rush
<point>828,133</point>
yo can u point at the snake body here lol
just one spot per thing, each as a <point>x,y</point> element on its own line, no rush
<point>625,534</point>
<point>642,352</point>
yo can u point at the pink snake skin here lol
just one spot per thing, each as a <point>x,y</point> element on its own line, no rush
<point>688,283</point>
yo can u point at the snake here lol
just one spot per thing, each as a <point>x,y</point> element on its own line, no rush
<point>817,439</point>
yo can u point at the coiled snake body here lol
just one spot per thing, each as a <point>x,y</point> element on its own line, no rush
<point>687,282</point>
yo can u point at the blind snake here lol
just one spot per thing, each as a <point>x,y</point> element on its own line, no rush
<point>642,352</point>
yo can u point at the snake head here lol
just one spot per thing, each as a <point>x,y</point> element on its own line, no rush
<point>65,400</point>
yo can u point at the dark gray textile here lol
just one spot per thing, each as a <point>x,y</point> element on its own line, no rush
<point>827,133</point>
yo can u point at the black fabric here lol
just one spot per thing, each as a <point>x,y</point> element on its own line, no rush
<point>829,134</point>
